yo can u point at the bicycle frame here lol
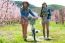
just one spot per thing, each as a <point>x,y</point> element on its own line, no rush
<point>32,22</point>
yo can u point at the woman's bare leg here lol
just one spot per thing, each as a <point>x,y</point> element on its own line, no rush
<point>24,29</point>
<point>47,28</point>
<point>43,25</point>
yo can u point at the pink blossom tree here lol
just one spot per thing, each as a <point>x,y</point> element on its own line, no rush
<point>9,12</point>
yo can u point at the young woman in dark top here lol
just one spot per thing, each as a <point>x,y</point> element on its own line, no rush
<point>45,16</point>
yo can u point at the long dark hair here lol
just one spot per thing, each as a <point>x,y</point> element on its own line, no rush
<point>43,7</point>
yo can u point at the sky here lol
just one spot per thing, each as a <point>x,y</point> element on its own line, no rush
<point>38,3</point>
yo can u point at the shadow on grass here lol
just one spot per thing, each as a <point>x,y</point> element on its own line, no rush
<point>49,39</point>
<point>32,41</point>
<point>39,41</point>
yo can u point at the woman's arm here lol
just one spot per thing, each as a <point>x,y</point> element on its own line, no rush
<point>31,13</point>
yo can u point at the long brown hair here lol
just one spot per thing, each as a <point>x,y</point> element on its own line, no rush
<point>26,3</point>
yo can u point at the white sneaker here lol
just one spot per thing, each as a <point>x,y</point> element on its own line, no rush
<point>46,38</point>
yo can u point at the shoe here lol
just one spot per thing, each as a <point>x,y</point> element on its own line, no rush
<point>25,39</point>
<point>46,38</point>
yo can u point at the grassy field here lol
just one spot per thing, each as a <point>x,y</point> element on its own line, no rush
<point>13,33</point>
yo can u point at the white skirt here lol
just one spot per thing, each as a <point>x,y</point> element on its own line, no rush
<point>45,20</point>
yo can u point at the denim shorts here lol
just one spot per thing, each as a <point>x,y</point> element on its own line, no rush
<point>24,20</point>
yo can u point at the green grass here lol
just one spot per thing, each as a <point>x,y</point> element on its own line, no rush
<point>13,33</point>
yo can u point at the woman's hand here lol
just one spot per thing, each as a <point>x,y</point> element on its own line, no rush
<point>35,17</point>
